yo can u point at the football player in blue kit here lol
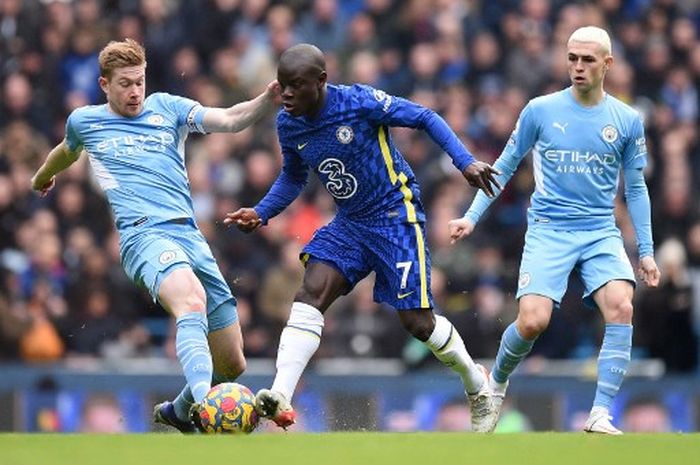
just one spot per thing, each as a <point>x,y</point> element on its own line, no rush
<point>342,134</point>
<point>135,145</point>
<point>581,138</point>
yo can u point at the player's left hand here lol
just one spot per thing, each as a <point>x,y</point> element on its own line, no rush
<point>274,91</point>
<point>483,176</point>
<point>649,272</point>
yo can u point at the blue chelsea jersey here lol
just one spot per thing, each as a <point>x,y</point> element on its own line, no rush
<point>349,147</point>
<point>139,162</point>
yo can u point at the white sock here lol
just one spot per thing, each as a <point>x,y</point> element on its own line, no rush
<point>298,343</point>
<point>448,347</point>
<point>499,388</point>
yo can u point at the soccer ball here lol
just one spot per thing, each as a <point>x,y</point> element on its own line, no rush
<point>228,408</point>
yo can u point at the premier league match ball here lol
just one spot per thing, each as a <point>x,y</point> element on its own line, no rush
<point>228,408</point>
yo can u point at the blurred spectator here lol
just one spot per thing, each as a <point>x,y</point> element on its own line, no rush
<point>453,415</point>
<point>102,414</point>
<point>664,317</point>
<point>18,103</point>
<point>646,415</point>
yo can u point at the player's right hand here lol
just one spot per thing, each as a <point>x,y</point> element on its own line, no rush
<point>459,228</point>
<point>245,219</point>
<point>483,176</point>
<point>43,187</point>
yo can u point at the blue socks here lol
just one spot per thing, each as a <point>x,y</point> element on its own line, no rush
<point>192,350</point>
<point>613,361</point>
<point>184,400</point>
<point>511,352</point>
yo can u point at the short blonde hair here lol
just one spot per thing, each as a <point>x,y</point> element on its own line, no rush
<point>120,55</point>
<point>592,34</point>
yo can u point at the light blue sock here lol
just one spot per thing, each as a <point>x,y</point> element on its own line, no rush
<point>184,400</point>
<point>192,350</point>
<point>513,349</point>
<point>613,361</point>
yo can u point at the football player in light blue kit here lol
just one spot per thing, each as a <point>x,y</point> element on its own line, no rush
<point>136,149</point>
<point>581,138</point>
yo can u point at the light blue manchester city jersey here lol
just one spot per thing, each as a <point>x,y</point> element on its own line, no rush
<point>140,161</point>
<point>578,153</point>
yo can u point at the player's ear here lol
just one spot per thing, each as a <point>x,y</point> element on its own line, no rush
<point>608,61</point>
<point>103,82</point>
<point>322,78</point>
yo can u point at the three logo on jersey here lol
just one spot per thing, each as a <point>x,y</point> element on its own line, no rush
<point>340,183</point>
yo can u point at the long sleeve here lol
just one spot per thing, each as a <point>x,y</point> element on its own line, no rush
<point>521,141</point>
<point>639,208</point>
<point>390,110</point>
<point>285,189</point>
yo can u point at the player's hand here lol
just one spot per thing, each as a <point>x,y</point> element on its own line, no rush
<point>649,272</point>
<point>483,176</point>
<point>41,186</point>
<point>459,228</point>
<point>245,219</point>
<point>274,91</point>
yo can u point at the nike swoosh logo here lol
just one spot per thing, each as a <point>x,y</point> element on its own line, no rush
<point>301,146</point>
<point>403,296</point>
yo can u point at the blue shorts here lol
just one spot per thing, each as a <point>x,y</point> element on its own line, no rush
<point>397,253</point>
<point>152,253</point>
<point>550,255</point>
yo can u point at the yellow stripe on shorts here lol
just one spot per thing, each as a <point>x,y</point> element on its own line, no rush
<point>420,245</point>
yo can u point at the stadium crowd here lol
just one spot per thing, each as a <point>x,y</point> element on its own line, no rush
<point>63,293</point>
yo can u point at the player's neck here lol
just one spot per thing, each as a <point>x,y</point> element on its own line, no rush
<point>318,108</point>
<point>588,98</point>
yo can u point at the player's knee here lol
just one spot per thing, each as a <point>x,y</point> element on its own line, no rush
<point>311,295</point>
<point>620,312</point>
<point>193,303</point>
<point>531,323</point>
<point>419,327</point>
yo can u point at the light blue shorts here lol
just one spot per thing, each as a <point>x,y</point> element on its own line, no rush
<point>550,256</point>
<point>152,253</point>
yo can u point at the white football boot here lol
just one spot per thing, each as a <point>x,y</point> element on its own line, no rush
<point>498,395</point>
<point>599,422</point>
<point>481,406</point>
<point>273,405</point>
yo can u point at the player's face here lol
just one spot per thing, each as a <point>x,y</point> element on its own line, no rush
<point>302,90</point>
<point>125,90</point>
<point>587,64</point>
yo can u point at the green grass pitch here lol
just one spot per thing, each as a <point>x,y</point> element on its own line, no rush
<point>350,448</point>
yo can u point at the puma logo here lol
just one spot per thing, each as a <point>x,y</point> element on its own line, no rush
<point>559,126</point>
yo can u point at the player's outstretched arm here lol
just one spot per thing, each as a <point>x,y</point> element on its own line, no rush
<point>483,176</point>
<point>242,115</point>
<point>245,219</point>
<point>59,158</point>
<point>459,228</point>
